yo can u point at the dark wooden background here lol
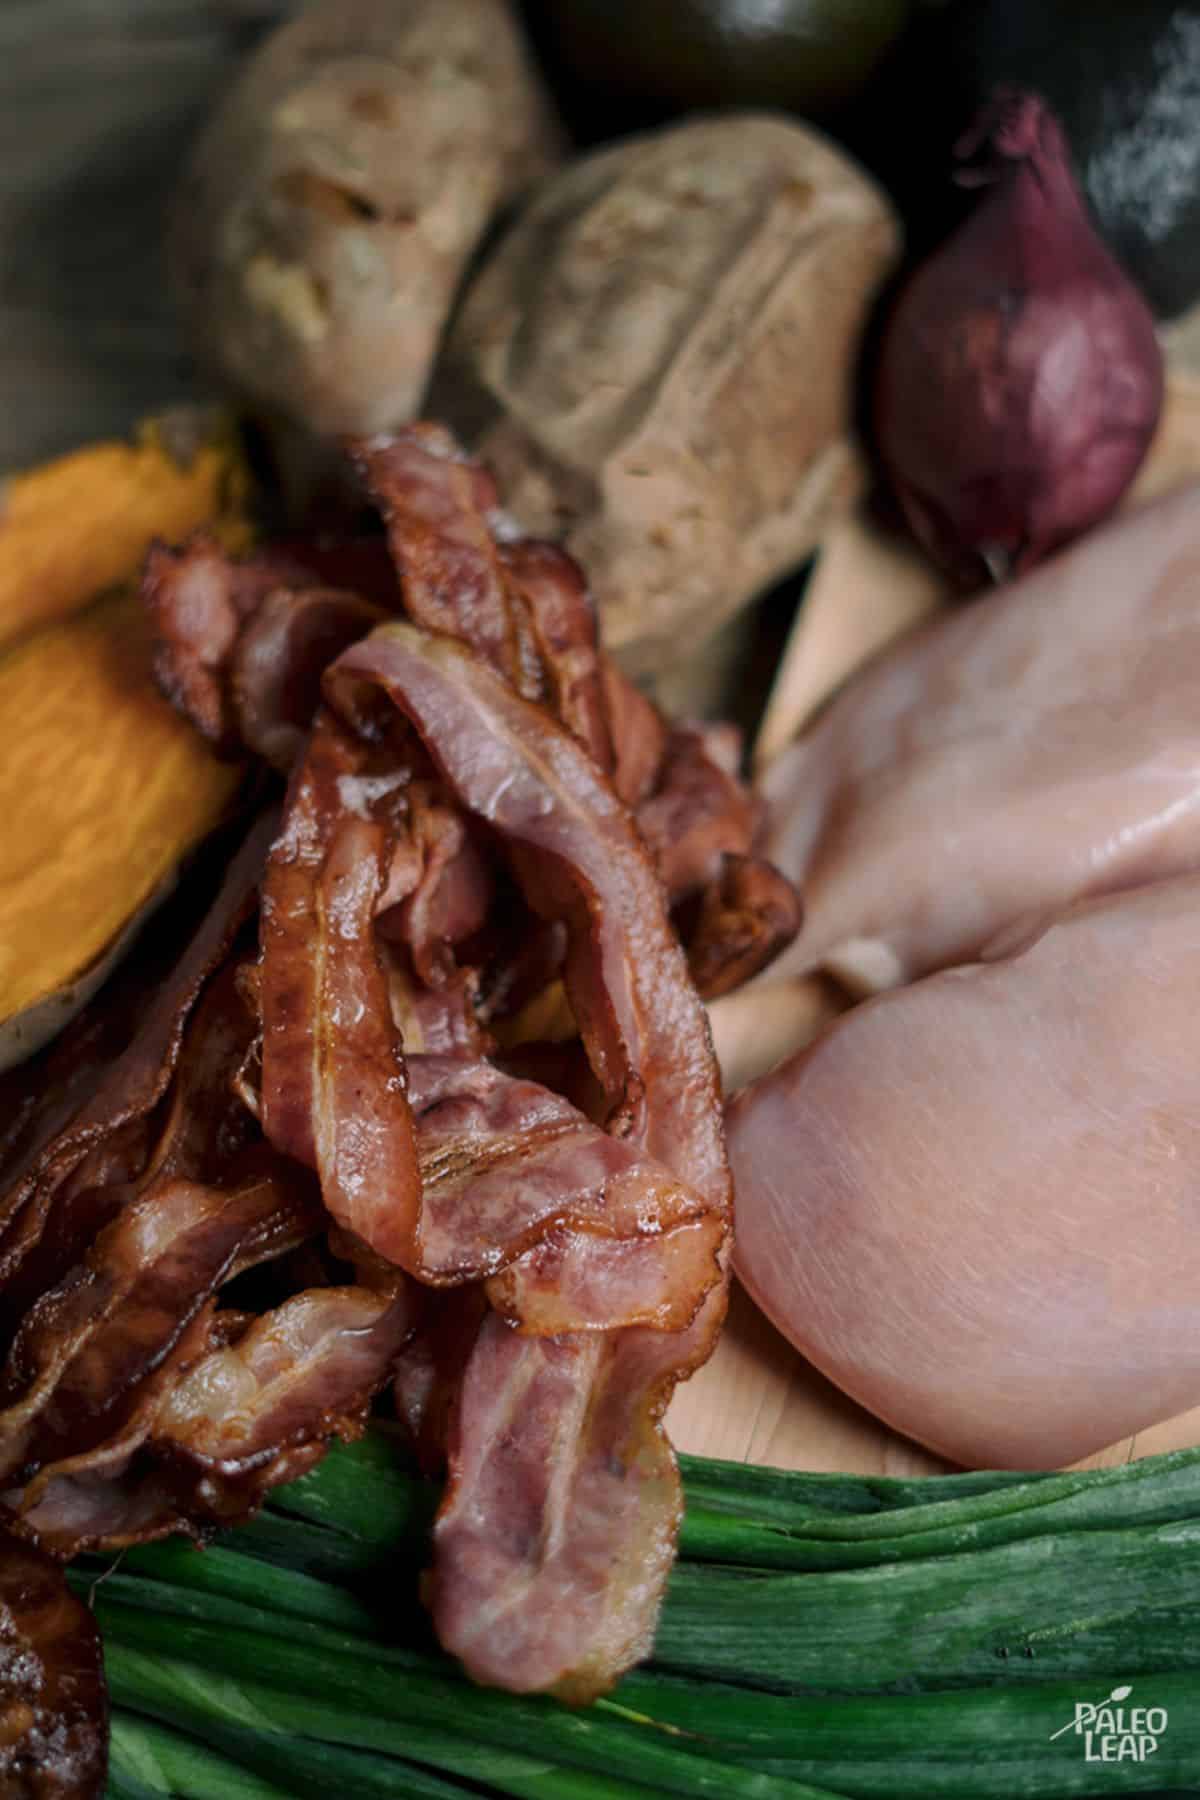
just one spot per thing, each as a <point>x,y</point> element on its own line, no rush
<point>98,102</point>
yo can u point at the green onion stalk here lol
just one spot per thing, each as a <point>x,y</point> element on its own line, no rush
<point>824,1637</point>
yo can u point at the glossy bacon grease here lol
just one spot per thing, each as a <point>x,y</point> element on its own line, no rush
<point>452,1124</point>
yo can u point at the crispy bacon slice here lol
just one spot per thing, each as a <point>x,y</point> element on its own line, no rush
<point>578,857</point>
<point>521,603</point>
<point>744,919</point>
<point>563,1498</point>
<point>53,1701</point>
<point>85,1346</point>
<point>457,842</point>
<point>333,1076</point>
<point>240,642</point>
<point>197,599</point>
<point>558,1529</point>
<point>438,505</point>
<point>562,619</point>
<point>200,1131</point>
<point>277,660</point>
<point>110,1494</point>
<point>305,1371</point>
<point>138,1079</point>
<point>697,814</point>
<point>578,1230</point>
<point>236,1415</point>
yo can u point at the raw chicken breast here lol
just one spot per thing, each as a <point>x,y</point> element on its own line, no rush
<point>1033,747</point>
<point>975,1203</point>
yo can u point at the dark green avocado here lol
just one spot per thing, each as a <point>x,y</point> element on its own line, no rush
<point>661,57</point>
<point>1123,76</point>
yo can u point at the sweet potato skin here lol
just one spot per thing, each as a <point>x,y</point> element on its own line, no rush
<point>657,361</point>
<point>336,195</point>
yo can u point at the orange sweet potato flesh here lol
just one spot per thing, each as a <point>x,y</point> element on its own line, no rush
<point>76,526</point>
<point>103,789</point>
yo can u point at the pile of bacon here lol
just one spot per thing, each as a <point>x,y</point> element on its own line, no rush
<point>451,1105</point>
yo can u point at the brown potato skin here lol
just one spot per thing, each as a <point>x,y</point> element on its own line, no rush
<point>332,202</point>
<point>658,361</point>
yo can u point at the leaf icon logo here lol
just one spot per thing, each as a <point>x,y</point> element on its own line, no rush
<point>1086,1710</point>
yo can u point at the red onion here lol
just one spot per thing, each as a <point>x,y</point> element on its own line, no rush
<point>1020,377</point>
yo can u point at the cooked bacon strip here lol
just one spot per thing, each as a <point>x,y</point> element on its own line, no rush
<point>745,918</point>
<point>734,911</point>
<point>53,1701</point>
<point>563,1499</point>
<point>697,814</point>
<point>39,1095</point>
<point>578,857</point>
<point>562,620</point>
<point>240,642</point>
<point>195,1131</point>
<point>227,1424</point>
<point>139,1078</point>
<point>558,1530</point>
<point>149,1500</point>
<point>138,1498</point>
<point>307,1369</point>
<point>197,599</point>
<point>333,1077</point>
<point>105,1180</point>
<point>521,603</point>
<point>429,1369</point>
<point>276,663</point>
<point>639,734</point>
<point>446,882</point>
<point>588,1231</point>
<point>438,505</point>
<point>384,1207</point>
<point>109,1494</point>
<point>87,1344</point>
<point>198,1129</point>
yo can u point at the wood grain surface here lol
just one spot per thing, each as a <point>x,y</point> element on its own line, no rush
<point>98,102</point>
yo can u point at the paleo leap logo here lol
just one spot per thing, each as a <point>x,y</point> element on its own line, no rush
<point>1112,1734</point>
